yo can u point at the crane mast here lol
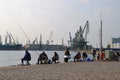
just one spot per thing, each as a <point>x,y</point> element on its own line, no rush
<point>50,39</point>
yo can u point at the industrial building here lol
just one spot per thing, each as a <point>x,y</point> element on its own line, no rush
<point>115,42</point>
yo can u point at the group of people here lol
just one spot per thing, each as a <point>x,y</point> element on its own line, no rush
<point>42,59</point>
<point>79,55</point>
<point>115,56</point>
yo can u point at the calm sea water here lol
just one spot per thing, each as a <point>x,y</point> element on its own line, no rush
<point>8,58</point>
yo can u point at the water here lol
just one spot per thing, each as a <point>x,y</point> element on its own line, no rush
<point>8,58</point>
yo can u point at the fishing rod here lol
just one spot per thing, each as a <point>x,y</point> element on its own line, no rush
<point>22,30</point>
<point>27,45</point>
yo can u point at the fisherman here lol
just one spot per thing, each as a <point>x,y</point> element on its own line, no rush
<point>98,56</point>
<point>77,57</point>
<point>84,55</point>
<point>43,58</point>
<point>55,57</point>
<point>94,54</point>
<point>116,56</point>
<point>67,55</point>
<point>102,55</point>
<point>27,57</point>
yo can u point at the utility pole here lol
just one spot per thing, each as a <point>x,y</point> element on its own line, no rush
<point>101,35</point>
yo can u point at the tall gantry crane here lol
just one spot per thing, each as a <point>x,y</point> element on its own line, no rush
<point>50,39</point>
<point>80,39</point>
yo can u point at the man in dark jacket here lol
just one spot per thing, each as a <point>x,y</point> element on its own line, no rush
<point>77,57</point>
<point>27,57</point>
<point>84,56</point>
<point>43,58</point>
<point>55,57</point>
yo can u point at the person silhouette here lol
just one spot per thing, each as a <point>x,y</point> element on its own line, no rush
<point>27,57</point>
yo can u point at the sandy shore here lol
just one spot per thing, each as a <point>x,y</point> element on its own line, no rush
<point>63,71</point>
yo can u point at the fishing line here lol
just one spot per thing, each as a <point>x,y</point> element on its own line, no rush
<point>24,33</point>
<point>13,60</point>
<point>22,30</point>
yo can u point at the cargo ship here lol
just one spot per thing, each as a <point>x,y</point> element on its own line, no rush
<point>49,46</point>
<point>11,47</point>
<point>46,47</point>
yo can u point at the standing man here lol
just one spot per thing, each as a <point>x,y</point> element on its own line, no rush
<point>94,54</point>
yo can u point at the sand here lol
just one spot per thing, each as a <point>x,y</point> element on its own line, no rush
<point>63,71</point>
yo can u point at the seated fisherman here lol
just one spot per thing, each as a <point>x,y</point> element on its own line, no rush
<point>84,54</point>
<point>43,58</point>
<point>55,57</point>
<point>27,57</point>
<point>77,57</point>
<point>67,55</point>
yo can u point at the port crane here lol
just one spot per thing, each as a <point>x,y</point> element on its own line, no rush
<point>50,39</point>
<point>35,41</point>
<point>81,31</point>
<point>9,39</point>
<point>80,39</point>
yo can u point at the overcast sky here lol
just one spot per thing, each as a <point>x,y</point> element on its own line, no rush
<point>60,16</point>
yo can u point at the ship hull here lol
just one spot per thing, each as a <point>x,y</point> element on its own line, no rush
<point>11,47</point>
<point>47,47</point>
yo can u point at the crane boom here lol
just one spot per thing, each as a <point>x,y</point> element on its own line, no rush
<point>86,26</point>
<point>87,29</point>
<point>11,36</point>
<point>50,39</point>
<point>81,31</point>
<point>22,30</point>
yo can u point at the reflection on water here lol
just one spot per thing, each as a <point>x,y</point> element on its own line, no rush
<point>8,58</point>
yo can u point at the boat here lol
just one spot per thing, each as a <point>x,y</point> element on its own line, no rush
<point>49,47</point>
<point>38,45</point>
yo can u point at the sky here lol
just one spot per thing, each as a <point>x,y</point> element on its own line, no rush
<point>60,16</point>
